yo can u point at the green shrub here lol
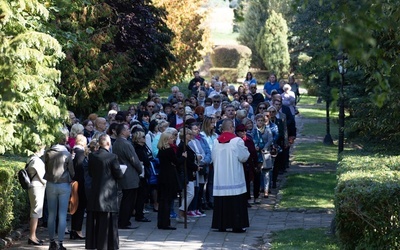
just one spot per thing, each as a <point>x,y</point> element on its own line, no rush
<point>232,56</point>
<point>14,205</point>
<point>367,201</point>
<point>262,76</point>
<point>231,75</point>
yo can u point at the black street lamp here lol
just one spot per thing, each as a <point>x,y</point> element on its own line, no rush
<point>328,138</point>
<point>342,61</point>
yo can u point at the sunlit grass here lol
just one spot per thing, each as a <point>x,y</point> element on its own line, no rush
<point>317,127</point>
<point>305,239</point>
<point>308,191</point>
<point>316,111</point>
<point>315,153</point>
<point>308,100</point>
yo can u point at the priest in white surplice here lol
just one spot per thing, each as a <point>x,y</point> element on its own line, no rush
<point>230,200</point>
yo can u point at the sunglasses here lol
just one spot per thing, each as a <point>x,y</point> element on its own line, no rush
<point>216,101</point>
<point>149,106</point>
<point>262,108</point>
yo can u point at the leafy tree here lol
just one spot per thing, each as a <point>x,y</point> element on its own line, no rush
<point>113,49</point>
<point>188,40</point>
<point>272,44</point>
<point>29,110</point>
<point>366,31</point>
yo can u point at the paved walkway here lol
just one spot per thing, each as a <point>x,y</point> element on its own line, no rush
<point>264,219</point>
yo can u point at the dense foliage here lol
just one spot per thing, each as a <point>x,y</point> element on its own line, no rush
<point>113,48</point>
<point>272,44</point>
<point>190,38</point>
<point>363,30</point>
<point>29,109</point>
<point>14,203</point>
<point>366,201</point>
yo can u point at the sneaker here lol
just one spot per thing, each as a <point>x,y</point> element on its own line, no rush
<point>145,211</point>
<point>200,213</point>
<point>173,215</point>
<point>192,214</point>
<point>182,220</point>
<point>257,201</point>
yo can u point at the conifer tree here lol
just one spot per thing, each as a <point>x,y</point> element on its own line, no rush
<point>30,113</point>
<point>272,44</point>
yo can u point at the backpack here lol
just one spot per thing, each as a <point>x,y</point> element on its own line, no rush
<point>23,177</point>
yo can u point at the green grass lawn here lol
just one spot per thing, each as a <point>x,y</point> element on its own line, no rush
<point>311,239</point>
<point>317,127</point>
<point>308,191</point>
<point>315,153</point>
<point>308,100</point>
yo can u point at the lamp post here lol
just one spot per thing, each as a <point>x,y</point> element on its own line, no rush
<point>342,61</point>
<point>328,138</point>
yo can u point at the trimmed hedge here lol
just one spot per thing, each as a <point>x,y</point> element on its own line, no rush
<point>14,203</point>
<point>232,56</point>
<point>367,201</point>
<point>231,75</point>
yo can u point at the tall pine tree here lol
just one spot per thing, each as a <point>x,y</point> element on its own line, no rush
<point>29,110</point>
<point>272,44</point>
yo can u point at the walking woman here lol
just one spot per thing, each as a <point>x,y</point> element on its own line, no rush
<point>36,192</point>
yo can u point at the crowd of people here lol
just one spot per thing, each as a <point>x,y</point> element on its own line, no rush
<point>224,146</point>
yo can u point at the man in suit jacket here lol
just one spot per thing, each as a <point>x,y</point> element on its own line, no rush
<point>230,113</point>
<point>130,181</point>
<point>102,208</point>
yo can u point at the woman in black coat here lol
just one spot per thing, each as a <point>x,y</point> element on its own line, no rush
<point>168,179</point>
<point>79,159</point>
<point>144,154</point>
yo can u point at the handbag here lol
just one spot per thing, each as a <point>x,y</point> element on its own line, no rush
<point>153,179</point>
<point>73,198</point>
<point>267,163</point>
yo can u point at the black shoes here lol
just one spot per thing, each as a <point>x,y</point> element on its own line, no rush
<point>144,219</point>
<point>35,243</point>
<point>167,228</point>
<point>53,246</point>
<point>75,236</point>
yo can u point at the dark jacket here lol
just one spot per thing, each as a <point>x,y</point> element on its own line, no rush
<point>104,170</point>
<point>58,164</point>
<point>127,156</point>
<point>290,121</point>
<point>190,162</point>
<point>168,178</point>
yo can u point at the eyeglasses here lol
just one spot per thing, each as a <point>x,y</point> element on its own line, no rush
<point>262,108</point>
<point>253,87</point>
<point>180,108</point>
<point>149,106</point>
<point>216,101</point>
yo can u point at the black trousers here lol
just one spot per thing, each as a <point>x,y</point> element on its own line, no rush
<point>142,193</point>
<point>128,202</point>
<point>101,231</point>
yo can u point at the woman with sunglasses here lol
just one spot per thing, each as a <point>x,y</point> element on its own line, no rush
<point>261,107</point>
